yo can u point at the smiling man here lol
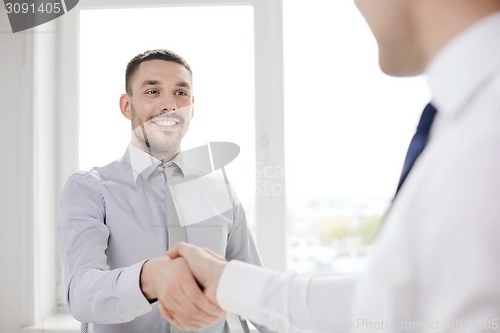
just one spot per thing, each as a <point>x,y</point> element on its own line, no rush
<point>116,222</point>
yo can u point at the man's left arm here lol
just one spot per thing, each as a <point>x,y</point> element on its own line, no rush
<point>240,243</point>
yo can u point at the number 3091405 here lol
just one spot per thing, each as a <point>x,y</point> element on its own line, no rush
<point>25,8</point>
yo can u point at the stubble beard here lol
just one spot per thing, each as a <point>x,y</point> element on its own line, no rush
<point>151,142</point>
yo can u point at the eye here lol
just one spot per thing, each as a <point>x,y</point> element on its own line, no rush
<point>181,93</point>
<point>152,92</point>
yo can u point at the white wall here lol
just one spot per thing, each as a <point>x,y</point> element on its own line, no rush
<point>16,174</point>
<point>28,171</point>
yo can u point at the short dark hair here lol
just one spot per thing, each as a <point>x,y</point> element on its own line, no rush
<point>160,54</point>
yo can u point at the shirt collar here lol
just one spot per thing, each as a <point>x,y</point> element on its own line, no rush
<point>461,68</point>
<point>143,164</point>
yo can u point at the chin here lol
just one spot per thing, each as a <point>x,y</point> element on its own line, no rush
<point>399,68</point>
<point>165,148</point>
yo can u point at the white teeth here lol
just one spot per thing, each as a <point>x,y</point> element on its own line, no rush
<point>166,122</point>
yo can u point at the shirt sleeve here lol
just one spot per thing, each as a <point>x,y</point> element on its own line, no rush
<point>94,293</point>
<point>240,244</point>
<point>286,302</point>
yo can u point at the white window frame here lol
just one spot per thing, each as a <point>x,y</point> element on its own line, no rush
<point>269,107</point>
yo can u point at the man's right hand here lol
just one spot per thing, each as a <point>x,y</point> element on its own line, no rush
<point>206,266</point>
<point>180,299</point>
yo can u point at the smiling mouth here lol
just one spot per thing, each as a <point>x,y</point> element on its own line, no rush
<point>166,122</point>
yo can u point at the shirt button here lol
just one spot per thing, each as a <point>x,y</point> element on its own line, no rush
<point>140,310</point>
<point>119,321</point>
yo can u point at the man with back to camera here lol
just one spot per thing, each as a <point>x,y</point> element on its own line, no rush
<point>435,264</point>
<point>115,222</point>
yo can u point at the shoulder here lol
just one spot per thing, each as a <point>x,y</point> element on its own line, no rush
<point>111,170</point>
<point>93,179</point>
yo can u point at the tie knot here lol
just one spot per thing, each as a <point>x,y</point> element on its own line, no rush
<point>169,169</point>
<point>426,119</point>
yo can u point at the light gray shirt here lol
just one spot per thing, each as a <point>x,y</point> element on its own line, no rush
<point>112,219</point>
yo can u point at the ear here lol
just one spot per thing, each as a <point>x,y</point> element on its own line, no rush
<point>126,106</point>
<point>192,108</point>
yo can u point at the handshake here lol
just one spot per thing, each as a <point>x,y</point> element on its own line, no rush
<point>185,284</point>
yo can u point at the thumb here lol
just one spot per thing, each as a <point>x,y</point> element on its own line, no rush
<point>175,252</point>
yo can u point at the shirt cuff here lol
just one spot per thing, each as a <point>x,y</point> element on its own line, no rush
<point>233,292</point>
<point>129,289</point>
<point>231,289</point>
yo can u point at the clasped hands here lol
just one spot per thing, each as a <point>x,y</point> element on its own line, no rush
<point>185,284</point>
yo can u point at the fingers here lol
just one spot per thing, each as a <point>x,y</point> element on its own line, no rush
<point>165,313</point>
<point>176,321</point>
<point>194,303</point>
<point>206,266</point>
<point>215,255</point>
<point>188,251</point>
<point>182,302</point>
<point>192,291</point>
<point>174,252</point>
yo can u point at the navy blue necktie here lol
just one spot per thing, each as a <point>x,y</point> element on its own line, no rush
<point>418,141</point>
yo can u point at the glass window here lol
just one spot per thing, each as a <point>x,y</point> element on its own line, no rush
<point>218,44</point>
<point>347,127</point>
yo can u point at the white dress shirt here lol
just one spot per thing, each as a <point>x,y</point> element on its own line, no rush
<point>436,263</point>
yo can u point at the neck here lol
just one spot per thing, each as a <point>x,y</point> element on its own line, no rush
<point>438,22</point>
<point>164,156</point>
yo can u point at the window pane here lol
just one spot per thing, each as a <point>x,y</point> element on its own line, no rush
<point>217,42</point>
<point>347,130</point>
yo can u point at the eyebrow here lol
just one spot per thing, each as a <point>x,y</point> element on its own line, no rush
<point>157,82</point>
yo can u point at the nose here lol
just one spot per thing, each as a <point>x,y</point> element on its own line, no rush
<point>168,109</point>
<point>168,104</point>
